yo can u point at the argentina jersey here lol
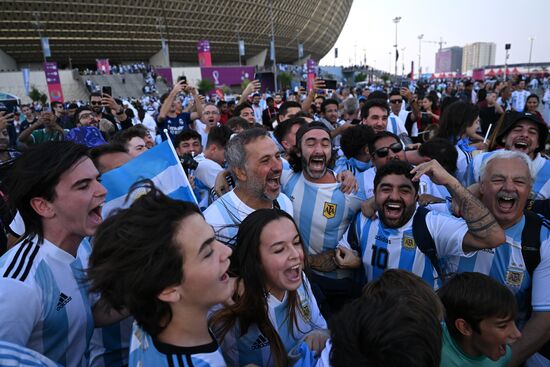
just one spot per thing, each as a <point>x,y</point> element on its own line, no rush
<point>226,214</point>
<point>382,248</point>
<point>44,301</point>
<point>253,346</point>
<point>16,355</point>
<point>506,265</point>
<point>146,352</point>
<point>541,169</point>
<point>322,213</point>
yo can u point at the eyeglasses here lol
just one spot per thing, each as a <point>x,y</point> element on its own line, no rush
<point>383,152</point>
<point>396,101</point>
<point>211,113</point>
<point>95,103</point>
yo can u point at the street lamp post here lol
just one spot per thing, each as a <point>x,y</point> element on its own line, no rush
<point>420,37</point>
<point>396,20</point>
<point>403,61</point>
<point>273,43</point>
<point>530,53</point>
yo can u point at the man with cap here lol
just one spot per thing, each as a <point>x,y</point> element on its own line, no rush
<point>525,133</point>
<point>322,212</point>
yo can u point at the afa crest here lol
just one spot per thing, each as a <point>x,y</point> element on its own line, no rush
<point>329,210</point>
<point>408,243</point>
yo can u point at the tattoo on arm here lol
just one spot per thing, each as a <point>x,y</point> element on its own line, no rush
<point>323,262</point>
<point>480,221</point>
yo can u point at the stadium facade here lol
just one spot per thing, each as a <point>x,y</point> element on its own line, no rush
<point>80,32</point>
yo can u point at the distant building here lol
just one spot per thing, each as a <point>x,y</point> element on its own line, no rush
<point>448,60</point>
<point>478,55</point>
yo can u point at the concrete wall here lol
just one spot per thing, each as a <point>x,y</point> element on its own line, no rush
<point>193,74</point>
<point>7,62</point>
<point>12,82</point>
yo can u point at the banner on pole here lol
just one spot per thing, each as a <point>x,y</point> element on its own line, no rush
<point>53,81</point>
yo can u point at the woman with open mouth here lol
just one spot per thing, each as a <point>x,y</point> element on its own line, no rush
<point>274,308</point>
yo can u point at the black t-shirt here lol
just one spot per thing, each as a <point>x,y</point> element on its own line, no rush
<point>487,116</point>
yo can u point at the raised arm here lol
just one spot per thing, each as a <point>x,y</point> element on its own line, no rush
<point>253,86</point>
<point>317,84</point>
<point>483,229</point>
<point>165,108</point>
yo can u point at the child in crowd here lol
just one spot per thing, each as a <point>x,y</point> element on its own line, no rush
<point>396,322</point>
<point>479,323</point>
<point>144,261</point>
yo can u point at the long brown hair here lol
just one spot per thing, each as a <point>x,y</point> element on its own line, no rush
<point>248,307</point>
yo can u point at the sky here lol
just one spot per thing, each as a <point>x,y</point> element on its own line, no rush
<point>370,31</point>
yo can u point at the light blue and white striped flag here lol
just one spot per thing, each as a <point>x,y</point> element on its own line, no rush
<point>159,164</point>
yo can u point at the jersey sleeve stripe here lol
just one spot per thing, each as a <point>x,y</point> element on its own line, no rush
<point>29,264</point>
<point>15,259</point>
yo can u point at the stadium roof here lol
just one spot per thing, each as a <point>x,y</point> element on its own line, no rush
<point>130,30</point>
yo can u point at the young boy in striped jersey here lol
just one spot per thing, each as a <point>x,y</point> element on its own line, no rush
<point>145,260</point>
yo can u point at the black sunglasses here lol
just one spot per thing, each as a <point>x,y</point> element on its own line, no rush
<point>95,103</point>
<point>396,101</point>
<point>383,152</point>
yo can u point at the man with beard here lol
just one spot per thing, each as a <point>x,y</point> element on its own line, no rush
<point>525,133</point>
<point>256,165</point>
<point>386,147</point>
<point>322,212</point>
<point>389,242</point>
<point>505,185</point>
<point>105,107</point>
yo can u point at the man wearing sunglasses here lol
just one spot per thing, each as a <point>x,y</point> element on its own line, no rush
<point>105,107</point>
<point>386,147</point>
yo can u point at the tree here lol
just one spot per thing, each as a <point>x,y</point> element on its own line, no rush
<point>35,94</point>
<point>359,77</point>
<point>205,85</point>
<point>385,77</point>
<point>244,84</point>
<point>285,79</point>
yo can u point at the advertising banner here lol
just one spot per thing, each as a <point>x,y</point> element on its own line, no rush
<point>230,75</point>
<point>53,81</point>
<point>203,49</point>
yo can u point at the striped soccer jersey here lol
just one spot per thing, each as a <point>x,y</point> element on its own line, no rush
<point>506,265</point>
<point>382,248</point>
<point>146,352</point>
<point>109,344</point>
<point>253,347</point>
<point>17,356</point>
<point>322,213</point>
<point>541,168</point>
<point>44,301</point>
<point>226,213</point>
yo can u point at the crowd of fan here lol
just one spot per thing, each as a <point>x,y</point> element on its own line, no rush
<point>391,225</point>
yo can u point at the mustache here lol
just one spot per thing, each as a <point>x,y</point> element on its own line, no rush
<point>501,195</point>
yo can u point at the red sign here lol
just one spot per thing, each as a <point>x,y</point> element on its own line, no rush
<point>205,58</point>
<point>54,83</point>
<point>311,66</point>
<point>103,66</point>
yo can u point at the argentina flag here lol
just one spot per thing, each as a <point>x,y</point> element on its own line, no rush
<point>159,164</point>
